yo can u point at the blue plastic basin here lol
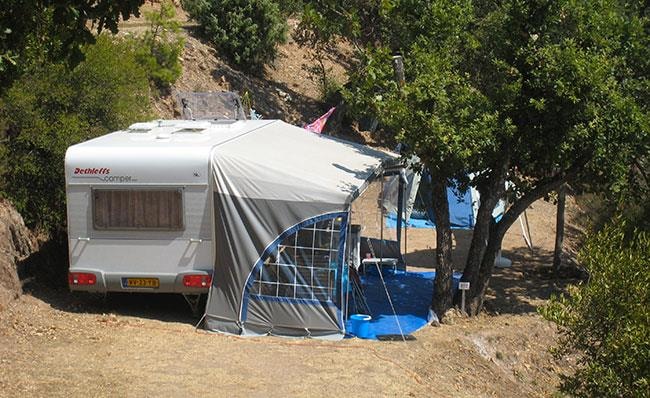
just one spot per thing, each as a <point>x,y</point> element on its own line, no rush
<point>360,326</point>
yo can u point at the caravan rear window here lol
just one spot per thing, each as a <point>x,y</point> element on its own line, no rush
<point>139,209</point>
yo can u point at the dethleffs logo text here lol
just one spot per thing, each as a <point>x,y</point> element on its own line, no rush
<point>101,174</point>
<point>92,171</point>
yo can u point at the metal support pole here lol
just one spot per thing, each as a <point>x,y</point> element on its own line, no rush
<point>463,286</point>
<point>530,238</point>
<point>462,301</point>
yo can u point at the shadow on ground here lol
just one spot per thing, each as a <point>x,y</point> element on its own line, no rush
<point>530,281</point>
<point>44,276</point>
<point>162,307</point>
<point>519,289</point>
<point>425,258</point>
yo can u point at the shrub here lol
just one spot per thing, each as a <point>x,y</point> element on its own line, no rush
<point>247,32</point>
<point>159,49</point>
<point>606,320</point>
<point>51,108</point>
<point>290,8</point>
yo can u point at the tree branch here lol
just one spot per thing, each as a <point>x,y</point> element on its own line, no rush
<point>521,204</point>
<point>641,171</point>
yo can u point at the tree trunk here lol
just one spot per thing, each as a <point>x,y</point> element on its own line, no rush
<point>498,231</point>
<point>489,198</point>
<point>478,289</point>
<point>480,237</point>
<point>442,297</point>
<point>559,228</point>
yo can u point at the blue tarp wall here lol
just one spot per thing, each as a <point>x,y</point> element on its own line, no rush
<point>461,213</point>
<point>461,210</point>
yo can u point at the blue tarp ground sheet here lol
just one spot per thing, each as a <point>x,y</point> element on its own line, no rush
<point>411,293</point>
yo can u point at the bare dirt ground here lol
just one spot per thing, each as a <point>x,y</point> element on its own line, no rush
<point>55,344</point>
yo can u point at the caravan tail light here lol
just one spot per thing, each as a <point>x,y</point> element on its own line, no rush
<point>197,280</point>
<point>81,278</point>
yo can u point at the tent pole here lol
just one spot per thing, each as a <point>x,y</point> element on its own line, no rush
<point>400,212</point>
<point>406,228</point>
<point>381,220</point>
<point>406,239</point>
<point>346,263</point>
<point>381,257</point>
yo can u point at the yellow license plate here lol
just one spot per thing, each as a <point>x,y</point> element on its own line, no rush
<point>142,282</point>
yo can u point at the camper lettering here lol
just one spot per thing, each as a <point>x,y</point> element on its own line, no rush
<point>117,179</point>
<point>92,170</point>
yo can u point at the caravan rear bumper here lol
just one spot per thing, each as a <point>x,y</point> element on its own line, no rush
<point>104,282</point>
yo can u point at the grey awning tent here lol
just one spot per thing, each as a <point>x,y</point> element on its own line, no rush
<point>281,202</point>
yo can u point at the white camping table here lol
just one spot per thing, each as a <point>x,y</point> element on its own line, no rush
<point>383,261</point>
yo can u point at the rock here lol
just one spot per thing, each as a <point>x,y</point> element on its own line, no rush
<point>284,95</point>
<point>16,243</point>
<point>452,316</point>
<point>10,288</point>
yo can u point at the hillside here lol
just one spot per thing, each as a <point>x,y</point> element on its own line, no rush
<point>285,90</point>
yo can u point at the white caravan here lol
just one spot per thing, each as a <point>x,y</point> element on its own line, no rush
<point>139,206</point>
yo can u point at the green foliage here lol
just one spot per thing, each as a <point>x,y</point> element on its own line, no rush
<point>53,107</point>
<point>247,32</point>
<point>607,320</point>
<point>290,8</point>
<point>394,24</point>
<point>7,57</point>
<point>159,49</point>
<point>548,86</point>
<point>54,30</point>
<point>437,113</point>
<point>563,83</point>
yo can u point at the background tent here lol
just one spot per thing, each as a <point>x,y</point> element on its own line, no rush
<point>463,207</point>
<point>281,203</point>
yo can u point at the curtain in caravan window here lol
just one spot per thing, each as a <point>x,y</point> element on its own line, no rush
<point>155,209</point>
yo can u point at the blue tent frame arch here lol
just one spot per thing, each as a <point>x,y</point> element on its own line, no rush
<point>340,271</point>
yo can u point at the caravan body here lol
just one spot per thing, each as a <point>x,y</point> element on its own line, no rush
<point>139,206</point>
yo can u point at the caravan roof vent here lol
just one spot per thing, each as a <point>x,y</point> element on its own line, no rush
<point>189,130</point>
<point>226,123</point>
<point>222,122</point>
<point>141,127</point>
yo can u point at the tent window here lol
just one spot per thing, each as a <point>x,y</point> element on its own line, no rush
<point>139,209</point>
<point>304,264</point>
